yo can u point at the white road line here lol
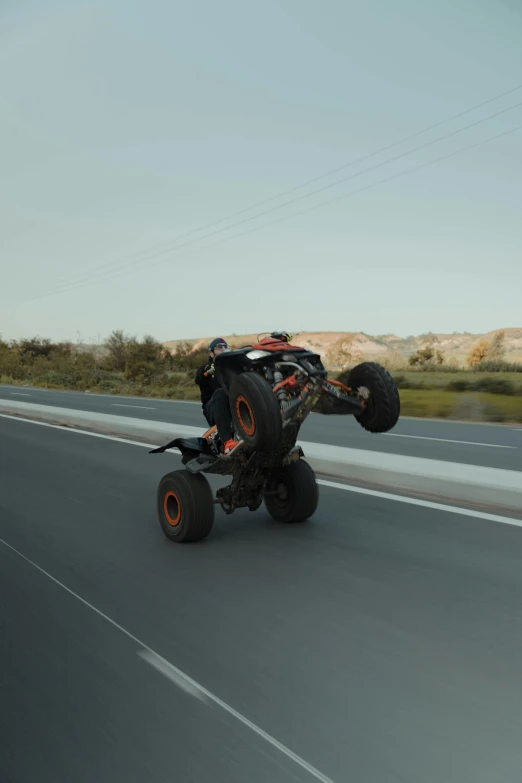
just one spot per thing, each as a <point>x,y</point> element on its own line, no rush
<point>467,512</point>
<point>332,484</point>
<point>128,441</point>
<point>192,687</point>
<point>21,394</point>
<point>447,440</point>
<point>124,405</point>
<point>179,677</point>
<point>111,396</point>
<point>174,674</point>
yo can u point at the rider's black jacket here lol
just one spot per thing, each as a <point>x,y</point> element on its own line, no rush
<point>207,384</point>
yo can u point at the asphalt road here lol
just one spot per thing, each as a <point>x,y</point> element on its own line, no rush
<point>473,444</point>
<point>379,641</point>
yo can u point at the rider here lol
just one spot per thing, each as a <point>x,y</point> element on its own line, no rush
<point>214,399</point>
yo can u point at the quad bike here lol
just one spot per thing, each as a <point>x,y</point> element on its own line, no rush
<point>272,388</point>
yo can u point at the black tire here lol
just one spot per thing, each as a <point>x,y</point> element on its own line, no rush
<point>255,412</point>
<point>301,494</point>
<point>185,506</point>
<point>384,404</point>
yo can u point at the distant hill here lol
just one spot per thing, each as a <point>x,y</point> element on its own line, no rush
<point>455,346</point>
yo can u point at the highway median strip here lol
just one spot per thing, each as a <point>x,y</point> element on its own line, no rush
<point>473,484</point>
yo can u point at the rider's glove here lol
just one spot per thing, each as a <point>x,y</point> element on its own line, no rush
<point>210,369</point>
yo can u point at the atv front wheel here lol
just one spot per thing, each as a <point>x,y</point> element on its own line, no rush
<point>291,492</point>
<point>376,388</point>
<point>185,506</point>
<point>255,412</point>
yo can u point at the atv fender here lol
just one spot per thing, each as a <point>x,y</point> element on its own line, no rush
<point>187,446</point>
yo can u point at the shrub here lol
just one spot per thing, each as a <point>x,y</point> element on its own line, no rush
<point>478,353</point>
<point>458,386</point>
<point>498,366</point>
<point>494,386</point>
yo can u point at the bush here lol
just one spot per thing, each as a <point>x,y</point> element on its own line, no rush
<point>427,357</point>
<point>494,386</point>
<point>478,353</point>
<point>426,369</point>
<point>406,383</point>
<point>186,360</point>
<point>458,386</point>
<point>123,365</point>
<point>497,366</point>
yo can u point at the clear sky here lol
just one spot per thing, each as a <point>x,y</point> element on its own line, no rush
<point>125,124</point>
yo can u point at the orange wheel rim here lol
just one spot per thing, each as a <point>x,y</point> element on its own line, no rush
<point>241,405</point>
<point>172,508</point>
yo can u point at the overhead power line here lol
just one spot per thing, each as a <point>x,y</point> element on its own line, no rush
<point>418,167</point>
<point>168,246</point>
<point>146,262</point>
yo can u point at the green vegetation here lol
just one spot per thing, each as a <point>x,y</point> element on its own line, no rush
<point>122,365</point>
<point>473,406</point>
<point>488,390</point>
<point>509,383</point>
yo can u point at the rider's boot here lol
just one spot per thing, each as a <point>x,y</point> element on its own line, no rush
<point>230,445</point>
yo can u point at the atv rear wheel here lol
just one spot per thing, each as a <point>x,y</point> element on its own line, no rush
<point>255,412</point>
<point>185,506</point>
<point>294,495</point>
<point>377,389</point>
